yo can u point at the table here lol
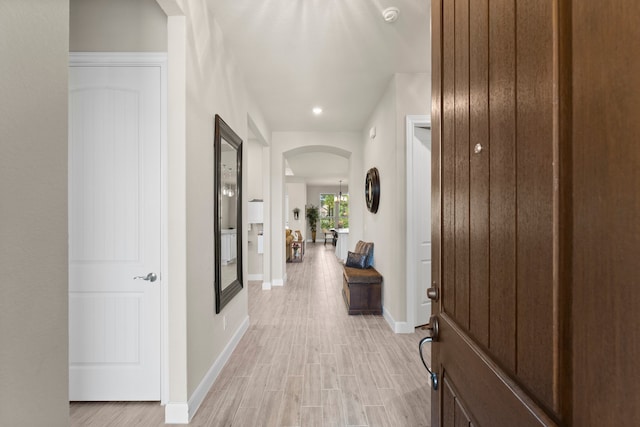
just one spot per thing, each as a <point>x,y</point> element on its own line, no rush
<point>297,251</point>
<point>342,246</point>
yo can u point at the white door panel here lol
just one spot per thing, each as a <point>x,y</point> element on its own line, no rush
<point>422,198</point>
<point>114,232</point>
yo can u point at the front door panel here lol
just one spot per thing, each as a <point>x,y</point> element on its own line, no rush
<point>495,237</point>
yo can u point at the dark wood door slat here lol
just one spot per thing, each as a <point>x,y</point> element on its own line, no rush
<point>461,162</point>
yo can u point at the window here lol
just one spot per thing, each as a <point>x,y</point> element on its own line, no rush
<point>329,217</point>
<point>343,215</point>
<point>327,214</point>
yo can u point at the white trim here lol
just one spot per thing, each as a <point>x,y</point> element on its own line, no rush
<point>203,388</point>
<point>397,327</point>
<point>119,59</point>
<point>266,286</point>
<point>410,241</point>
<point>176,413</point>
<point>254,277</point>
<point>148,59</point>
<point>164,237</point>
<point>277,282</point>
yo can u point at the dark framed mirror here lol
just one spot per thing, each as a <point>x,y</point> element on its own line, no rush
<point>227,210</point>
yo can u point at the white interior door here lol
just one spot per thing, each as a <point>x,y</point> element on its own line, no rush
<point>422,199</point>
<point>114,232</point>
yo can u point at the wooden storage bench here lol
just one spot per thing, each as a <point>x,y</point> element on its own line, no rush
<point>362,290</point>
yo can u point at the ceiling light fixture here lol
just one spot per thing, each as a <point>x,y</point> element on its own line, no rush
<point>317,110</point>
<point>391,14</point>
<point>339,198</point>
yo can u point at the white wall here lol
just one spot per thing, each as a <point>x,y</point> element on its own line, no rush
<point>141,26</point>
<point>253,187</point>
<point>406,94</point>
<point>254,191</point>
<point>346,144</point>
<point>34,376</point>
<point>214,86</point>
<point>297,193</point>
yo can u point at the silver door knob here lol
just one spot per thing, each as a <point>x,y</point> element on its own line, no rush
<point>432,292</point>
<point>151,277</point>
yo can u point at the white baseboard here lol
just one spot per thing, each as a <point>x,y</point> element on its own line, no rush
<point>254,276</point>
<point>278,282</point>
<point>182,413</point>
<point>397,327</point>
<point>266,286</point>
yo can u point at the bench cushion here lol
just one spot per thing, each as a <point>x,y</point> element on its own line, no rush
<point>357,275</point>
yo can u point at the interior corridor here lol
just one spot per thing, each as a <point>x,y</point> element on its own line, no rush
<point>303,362</point>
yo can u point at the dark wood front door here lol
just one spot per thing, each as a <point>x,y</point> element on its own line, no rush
<point>499,351</point>
<point>536,212</point>
<point>606,213</point>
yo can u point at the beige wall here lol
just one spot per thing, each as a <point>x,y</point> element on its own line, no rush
<point>117,26</point>
<point>384,227</point>
<point>33,233</point>
<point>214,86</point>
<point>407,94</point>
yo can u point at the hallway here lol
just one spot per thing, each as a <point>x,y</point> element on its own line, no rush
<point>303,362</point>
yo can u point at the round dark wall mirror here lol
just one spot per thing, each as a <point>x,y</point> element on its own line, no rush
<point>372,189</point>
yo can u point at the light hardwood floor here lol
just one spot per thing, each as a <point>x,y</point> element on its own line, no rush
<point>303,362</point>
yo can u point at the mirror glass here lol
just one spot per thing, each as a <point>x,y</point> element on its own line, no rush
<point>227,201</point>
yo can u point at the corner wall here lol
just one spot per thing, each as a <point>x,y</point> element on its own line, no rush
<point>34,374</point>
<point>203,80</point>
<point>347,143</point>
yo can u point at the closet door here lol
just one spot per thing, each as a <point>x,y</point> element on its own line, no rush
<point>114,232</point>
<point>498,351</point>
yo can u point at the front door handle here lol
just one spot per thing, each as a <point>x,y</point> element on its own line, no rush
<point>433,327</point>
<point>151,277</point>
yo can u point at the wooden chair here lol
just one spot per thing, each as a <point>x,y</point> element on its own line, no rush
<point>328,236</point>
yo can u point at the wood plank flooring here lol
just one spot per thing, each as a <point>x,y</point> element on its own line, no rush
<point>303,362</point>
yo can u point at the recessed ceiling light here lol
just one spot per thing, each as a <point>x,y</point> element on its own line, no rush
<point>391,14</point>
<point>317,110</point>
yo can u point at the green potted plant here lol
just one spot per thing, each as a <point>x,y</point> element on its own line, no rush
<point>312,217</point>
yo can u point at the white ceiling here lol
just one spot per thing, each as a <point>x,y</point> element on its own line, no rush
<point>317,168</point>
<point>338,54</point>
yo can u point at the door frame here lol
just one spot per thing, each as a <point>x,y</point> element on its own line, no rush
<point>144,59</point>
<point>411,241</point>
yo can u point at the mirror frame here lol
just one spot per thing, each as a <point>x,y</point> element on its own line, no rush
<point>223,131</point>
